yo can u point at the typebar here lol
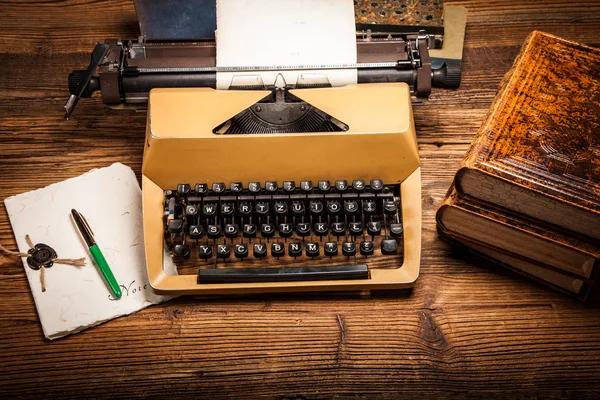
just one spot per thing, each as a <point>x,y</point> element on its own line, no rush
<point>242,275</point>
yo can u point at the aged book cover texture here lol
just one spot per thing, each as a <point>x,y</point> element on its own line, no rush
<point>538,151</point>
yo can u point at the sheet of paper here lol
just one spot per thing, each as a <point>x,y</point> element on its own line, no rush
<point>77,297</point>
<point>287,33</point>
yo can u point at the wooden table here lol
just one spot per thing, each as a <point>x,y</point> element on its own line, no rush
<point>466,330</point>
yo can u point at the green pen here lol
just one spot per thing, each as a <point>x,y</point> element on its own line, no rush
<point>88,238</point>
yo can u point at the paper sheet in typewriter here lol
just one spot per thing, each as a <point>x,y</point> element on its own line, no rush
<point>76,297</point>
<point>286,33</point>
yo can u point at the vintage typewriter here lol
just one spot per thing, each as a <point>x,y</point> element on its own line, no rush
<point>288,186</point>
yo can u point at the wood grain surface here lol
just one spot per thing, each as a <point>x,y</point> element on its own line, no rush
<point>467,330</point>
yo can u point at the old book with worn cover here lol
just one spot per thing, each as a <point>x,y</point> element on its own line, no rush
<point>484,224</point>
<point>538,152</point>
<point>555,279</point>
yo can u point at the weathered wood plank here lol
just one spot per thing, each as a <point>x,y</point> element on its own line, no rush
<point>467,330</point>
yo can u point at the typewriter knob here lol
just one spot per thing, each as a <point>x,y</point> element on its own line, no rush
<point>448,76</point>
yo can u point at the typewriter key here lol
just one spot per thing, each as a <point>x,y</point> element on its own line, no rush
<point>388,247</point>
<point>349,249</point>
<point>331,249</point>
<point>277,250</point>
<point>196,231</point>
<point>369,207</point>
<point>306,186</point>
<point>223,251</point>
<point>324,186</point>
<point>341,186</point>
<point>267,230</point>
<point>321,228</point>
<point>213,231</point>
<point>285,230</point>
<point>289,186</point>
<point>376,186</point>
<point>334,207</point>
<point>281,208</point>
<point>236,187</point>
<point>389,207</point>
<point>338,228</point>
<point>312,249</point>
<point>241,250</point>
<point>201,189</point>
<point>295,249</point>
<point>249,230</point>
<point>262,208</point>
<point>271,187</point>
<point>218,187</point>
<point>351,207</point>
<point>227,209</point>
<point>231,230</point>
<point>191,211</point>
<point>176,226</point>
<point>254,187</point>
<point>396,230</point>
<point>298,208</point>
<point>204,251</point>
<point>366,248</point>
<point>181,252</point>
<point>303,229</point>
<point>183,189</point>
<point>358,185</point>
<point>209,210</point>
<point>374,228</point>
<point>356,228</point>
<point>245,209</point>
<point>260,250</point>
<point>316,208</point>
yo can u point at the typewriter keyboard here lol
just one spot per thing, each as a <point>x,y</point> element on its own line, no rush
<point>339,226</point>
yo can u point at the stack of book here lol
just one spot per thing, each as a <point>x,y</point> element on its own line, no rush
<point>527,194</point>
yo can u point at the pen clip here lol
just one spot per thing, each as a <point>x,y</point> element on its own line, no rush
<point>87,226</point>
<point>83,228</point>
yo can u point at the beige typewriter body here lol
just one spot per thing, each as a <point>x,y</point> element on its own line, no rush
<point>379,144</point>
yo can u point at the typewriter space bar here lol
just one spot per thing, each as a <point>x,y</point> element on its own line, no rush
<point>289,274</point>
